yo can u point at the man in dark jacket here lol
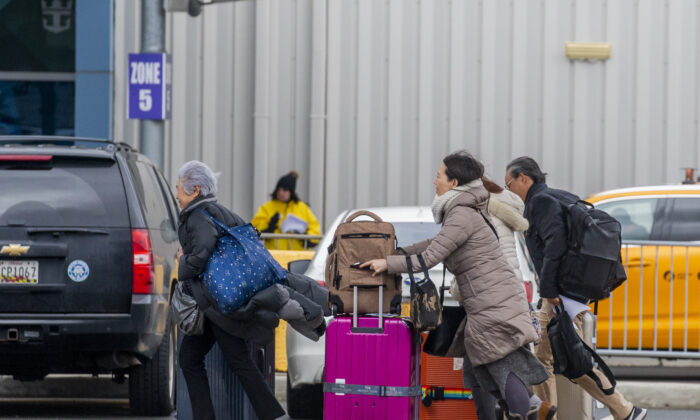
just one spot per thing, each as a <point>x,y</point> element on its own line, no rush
<point>198,236</point>
<point>546,241</point>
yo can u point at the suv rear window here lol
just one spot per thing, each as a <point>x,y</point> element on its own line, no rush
<point>64,192</point>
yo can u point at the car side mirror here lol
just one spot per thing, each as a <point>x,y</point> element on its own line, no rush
<point>298,266</point>
<point>167,232</point>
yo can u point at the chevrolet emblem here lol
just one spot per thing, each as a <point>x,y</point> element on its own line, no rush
<point>14,250</point>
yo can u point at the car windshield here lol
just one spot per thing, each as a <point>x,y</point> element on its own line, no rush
<point>408,233</point>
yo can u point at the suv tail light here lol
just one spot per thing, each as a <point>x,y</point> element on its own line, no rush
<point>142,262</point>
<point>528,290</point>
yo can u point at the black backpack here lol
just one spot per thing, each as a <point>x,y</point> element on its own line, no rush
<point>572,357</point>
<point>592,266</point>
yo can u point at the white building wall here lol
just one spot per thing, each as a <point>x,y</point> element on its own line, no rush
<point>364,97</point>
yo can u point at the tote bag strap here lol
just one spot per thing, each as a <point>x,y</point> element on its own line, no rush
<point>423,266</point>
<point>216,221</point>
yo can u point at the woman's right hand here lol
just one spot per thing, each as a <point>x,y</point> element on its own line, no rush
<point>378,266</point>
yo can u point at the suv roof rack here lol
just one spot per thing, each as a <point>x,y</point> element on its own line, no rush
<point>63,141</point>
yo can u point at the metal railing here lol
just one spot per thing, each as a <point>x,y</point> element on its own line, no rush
<point>656,312</point>
<point>291,236</point>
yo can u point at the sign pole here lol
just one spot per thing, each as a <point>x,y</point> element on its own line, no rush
<point>153,41</point>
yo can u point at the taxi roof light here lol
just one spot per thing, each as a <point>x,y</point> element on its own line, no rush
<point>690,176</point>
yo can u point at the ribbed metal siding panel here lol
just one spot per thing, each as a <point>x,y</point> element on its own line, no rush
<point>127,30</point>
<point>227,394</point>
<point>283,77</point>
<point>405,82</point>
<point>213,97</point>
<point>186,123</point>
<point>492,77</point>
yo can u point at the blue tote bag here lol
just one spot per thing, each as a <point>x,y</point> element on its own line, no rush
<point>239,267</point>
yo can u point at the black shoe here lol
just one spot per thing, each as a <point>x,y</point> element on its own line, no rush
<point>637,414</point>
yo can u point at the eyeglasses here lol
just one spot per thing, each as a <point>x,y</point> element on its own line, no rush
<point>508,183</point>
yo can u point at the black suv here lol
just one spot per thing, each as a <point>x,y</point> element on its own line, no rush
<point>88,240</point>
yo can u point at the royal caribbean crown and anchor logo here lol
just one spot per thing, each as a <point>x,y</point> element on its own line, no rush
<point>56,15</point>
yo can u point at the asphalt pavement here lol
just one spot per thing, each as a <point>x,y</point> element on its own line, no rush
<point>81,397</point>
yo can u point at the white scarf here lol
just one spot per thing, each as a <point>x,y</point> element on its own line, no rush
<point>440,202</point>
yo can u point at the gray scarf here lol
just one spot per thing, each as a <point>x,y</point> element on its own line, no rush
<point>440,202</point>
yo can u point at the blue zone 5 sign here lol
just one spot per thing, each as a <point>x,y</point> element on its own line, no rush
<point>150,76</point>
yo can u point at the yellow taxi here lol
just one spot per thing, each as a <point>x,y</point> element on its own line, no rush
<point>658,307</point>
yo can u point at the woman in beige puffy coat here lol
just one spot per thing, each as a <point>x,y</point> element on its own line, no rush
<point>505,210</point>
<point>498,324</point>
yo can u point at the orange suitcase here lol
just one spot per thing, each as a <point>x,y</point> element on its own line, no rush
<point>438,380</point>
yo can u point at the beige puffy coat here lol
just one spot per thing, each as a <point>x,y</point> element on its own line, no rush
<point>498,320</point>
<point>506,211</point>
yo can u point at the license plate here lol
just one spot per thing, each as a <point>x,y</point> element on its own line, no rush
<point>20,272</point>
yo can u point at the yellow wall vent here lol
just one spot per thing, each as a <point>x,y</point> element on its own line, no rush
<point>588,50</point>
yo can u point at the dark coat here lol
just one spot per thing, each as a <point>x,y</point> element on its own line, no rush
<point>546,237</point>
<point>198,235</point>
<point>257,319</point>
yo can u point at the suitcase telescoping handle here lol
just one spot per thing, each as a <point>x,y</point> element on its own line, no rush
<point>380,327</point>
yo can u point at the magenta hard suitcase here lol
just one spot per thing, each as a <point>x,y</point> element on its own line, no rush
<point>371,373</point>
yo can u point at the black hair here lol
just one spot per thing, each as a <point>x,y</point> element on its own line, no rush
<point>463,167</point>
<point>292,197</point>
<point>289,183</point>
<point>526,165</point>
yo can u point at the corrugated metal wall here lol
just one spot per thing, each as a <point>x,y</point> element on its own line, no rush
<point>364,97</point>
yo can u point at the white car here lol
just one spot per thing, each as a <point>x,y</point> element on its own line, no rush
<point>305,358</point>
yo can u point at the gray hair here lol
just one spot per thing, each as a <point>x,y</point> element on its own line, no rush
<point>194,173</point>
<point>527,166</point>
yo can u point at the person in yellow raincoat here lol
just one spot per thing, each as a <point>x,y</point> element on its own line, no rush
<point>271,216</point>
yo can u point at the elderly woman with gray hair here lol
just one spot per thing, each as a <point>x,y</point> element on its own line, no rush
<point>196,189</point>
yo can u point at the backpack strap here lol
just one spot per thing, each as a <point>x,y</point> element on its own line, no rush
<point>493,229</point>
<point>603,367</point>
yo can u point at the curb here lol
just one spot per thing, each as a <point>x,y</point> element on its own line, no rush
<point>677,395</point>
